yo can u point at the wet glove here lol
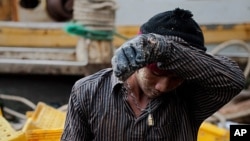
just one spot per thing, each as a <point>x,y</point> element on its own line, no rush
<point>138,52</point>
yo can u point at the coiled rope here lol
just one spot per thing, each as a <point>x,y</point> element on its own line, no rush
<point>95,14</point>
<point>93,19</point>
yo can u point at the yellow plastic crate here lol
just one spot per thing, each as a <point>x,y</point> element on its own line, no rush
<point>44,135</point>
<point>45,117</point>
<point>7,133</point>
<point>44,124</point>
<point>210,132</point>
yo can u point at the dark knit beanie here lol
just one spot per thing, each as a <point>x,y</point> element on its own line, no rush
<point>178,22</point>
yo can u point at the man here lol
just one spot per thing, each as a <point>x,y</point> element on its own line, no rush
<point>160,87</point>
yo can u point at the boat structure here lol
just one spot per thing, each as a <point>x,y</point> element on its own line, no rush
<point>79,37</point>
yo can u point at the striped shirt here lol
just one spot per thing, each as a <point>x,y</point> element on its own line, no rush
<point>98,110</point>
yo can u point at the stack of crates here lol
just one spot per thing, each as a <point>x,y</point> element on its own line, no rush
<point>44,124</point>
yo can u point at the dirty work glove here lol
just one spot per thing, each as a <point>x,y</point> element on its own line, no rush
<point>138,52</point>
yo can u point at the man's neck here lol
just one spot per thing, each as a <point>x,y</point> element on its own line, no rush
<point>136,98</point>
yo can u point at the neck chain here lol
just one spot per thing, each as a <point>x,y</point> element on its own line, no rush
<point>150,120</point>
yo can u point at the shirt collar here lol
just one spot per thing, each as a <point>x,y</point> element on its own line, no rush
<point>115,81</point>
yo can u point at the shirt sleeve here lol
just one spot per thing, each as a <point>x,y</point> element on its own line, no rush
<point>76,125</point>
<point>213,80</point>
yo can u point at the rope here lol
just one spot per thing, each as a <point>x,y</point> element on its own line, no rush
<point>83,31</point>
<point>93,19</point>
<point>18,98</point>
<point>14,113</point>
<point>95,14</point>
<point>121,36</point>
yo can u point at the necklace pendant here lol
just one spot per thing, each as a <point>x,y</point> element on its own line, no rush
<point>150,120</point>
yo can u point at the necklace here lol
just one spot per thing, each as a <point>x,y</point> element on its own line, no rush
<point>150,120</point>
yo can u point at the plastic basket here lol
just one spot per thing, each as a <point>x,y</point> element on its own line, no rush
<point>210,132</point>
<point>45,117</point>
<point>44,135</point>
<point>44,124</point>
<point>7,133</point>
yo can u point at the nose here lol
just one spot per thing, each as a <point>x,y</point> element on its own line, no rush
<point>162,84</point>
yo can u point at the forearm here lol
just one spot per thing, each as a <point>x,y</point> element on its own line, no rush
<point>213,81</point>
<point>210,72</point>
<point>175,54</point>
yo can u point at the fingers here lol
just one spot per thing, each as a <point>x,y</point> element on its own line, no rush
<point>137,53</point>
<point>128,58</point>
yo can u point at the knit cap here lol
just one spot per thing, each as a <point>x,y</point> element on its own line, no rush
<point>178,22</point>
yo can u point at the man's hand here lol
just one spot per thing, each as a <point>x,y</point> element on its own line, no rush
<point>138,52</point>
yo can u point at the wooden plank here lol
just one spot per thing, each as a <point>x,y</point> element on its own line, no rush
<point>56,37</point>
<point>221,33</point>
<point>30,37</point>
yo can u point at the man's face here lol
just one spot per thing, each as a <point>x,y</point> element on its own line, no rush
<point>154,85</point>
